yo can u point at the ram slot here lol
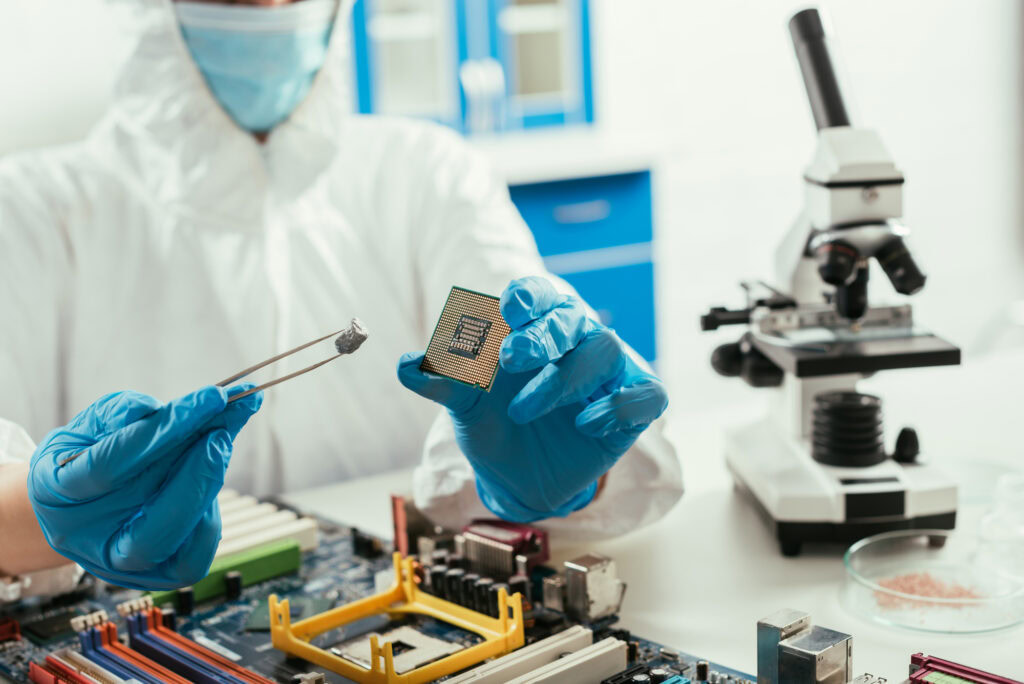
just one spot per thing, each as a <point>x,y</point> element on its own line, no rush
<point>96,652</point>
<point>46,674</point>
<point>236,503</point>
<point>51,673</point>
<point>528,658</point>
<point>591,664</point>
<point>261,522</point>
<point>242,514</point>
<point>139,660</point>
<point>100,644</point>
<point>171,657</point>
<point>303,530</point>
<point>76,662</point>
<point>155,625</point>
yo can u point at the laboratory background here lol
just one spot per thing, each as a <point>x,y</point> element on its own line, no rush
<point>658,151</point>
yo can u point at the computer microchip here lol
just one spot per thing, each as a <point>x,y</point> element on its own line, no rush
<point>48,630</point>
<point>467,339</point>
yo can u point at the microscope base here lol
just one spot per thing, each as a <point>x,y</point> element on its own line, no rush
<point>793,535</point>
<point>804,501</point>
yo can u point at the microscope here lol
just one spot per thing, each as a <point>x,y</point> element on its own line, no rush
<point>816,466</point>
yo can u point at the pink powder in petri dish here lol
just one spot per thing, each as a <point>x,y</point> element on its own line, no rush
<point>925,585</point>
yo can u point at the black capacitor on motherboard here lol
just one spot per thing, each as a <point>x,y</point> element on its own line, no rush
<point>453,584</point>
<point>481,595</point>
<point>467,594</point>
<point>435,585</point>
<point>659,675</point>
<point>232,584</point>
<point>186,600</point>
<point>519,583</point>
<point>492,600</point>
<point>702,671</point>
<point>169,617</point>
<point>641,679</point>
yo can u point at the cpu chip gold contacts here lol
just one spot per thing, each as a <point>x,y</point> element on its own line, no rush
<point>467,339</point>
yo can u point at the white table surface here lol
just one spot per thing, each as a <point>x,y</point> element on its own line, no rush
<point>700,578</point>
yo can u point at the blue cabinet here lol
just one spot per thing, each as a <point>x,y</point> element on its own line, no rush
<point>475,65</point>
<point>596,233</point>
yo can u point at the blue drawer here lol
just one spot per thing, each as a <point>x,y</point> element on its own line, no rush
<point>624,299</point>
<point>587,213</point>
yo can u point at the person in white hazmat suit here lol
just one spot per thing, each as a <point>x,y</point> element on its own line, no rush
<point>227,207</point>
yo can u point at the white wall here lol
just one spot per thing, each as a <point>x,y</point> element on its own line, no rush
<point>58,60</point>
<point>717,85</point>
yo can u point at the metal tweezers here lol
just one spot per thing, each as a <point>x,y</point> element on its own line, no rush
<point>251,369</point>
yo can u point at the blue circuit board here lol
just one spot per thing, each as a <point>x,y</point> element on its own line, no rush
<point>331,575</point>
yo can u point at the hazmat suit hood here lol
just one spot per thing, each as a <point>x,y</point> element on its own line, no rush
<point>177,139</point>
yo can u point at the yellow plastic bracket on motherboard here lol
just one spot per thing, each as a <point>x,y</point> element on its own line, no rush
<point>501,635</point>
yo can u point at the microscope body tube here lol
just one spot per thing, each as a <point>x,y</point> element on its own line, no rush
<point>820,79</point>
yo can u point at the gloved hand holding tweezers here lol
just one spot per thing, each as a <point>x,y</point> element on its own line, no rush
<point>128,489</point>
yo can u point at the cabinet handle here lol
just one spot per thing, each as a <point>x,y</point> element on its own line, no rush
<point>583,212</point>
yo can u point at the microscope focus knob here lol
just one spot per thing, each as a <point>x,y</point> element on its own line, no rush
<point>908,447</point>
<point>759,371</point>
<point>727,359</point>
<point>742,359</point>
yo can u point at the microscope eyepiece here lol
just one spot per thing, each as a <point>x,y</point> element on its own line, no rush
<point>900,267</point>
<point>820,78</point>
<point>836,261</point>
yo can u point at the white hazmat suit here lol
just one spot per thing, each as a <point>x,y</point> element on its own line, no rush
<point>170,249</point>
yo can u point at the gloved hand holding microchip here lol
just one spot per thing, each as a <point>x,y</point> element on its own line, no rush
<point>567,402</point>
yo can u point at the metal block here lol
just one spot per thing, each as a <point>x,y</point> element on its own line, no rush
<point>816,656</point>
<point>593,588</point>
<point>554,593</point>
<point>772,630</point>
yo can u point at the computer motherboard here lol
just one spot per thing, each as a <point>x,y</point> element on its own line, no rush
<point>478,605</point>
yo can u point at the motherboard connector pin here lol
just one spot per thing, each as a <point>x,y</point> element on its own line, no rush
<point>80,623</point>
<point>134,606</point>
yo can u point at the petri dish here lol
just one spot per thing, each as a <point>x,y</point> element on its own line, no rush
<point>929,580</point>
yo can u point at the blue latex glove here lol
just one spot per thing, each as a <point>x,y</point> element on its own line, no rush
<point>567,402</point>
<point>139,507</point>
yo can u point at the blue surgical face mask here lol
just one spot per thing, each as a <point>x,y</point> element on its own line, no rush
<point>258,61</point>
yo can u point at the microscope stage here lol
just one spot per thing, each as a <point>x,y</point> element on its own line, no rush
<point>864,356</point>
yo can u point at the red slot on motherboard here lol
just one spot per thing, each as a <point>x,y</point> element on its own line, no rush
<point>10,630</point>
<point>924,668</point>
<point>54,673</point>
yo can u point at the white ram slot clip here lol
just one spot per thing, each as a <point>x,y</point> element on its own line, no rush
<point>235,503</point>
<point>303,530</point>
<point>592,664</point>
<point>236,517</point>
<point>528,658</point>
<point>263,522</point>
<point>85,668</point>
